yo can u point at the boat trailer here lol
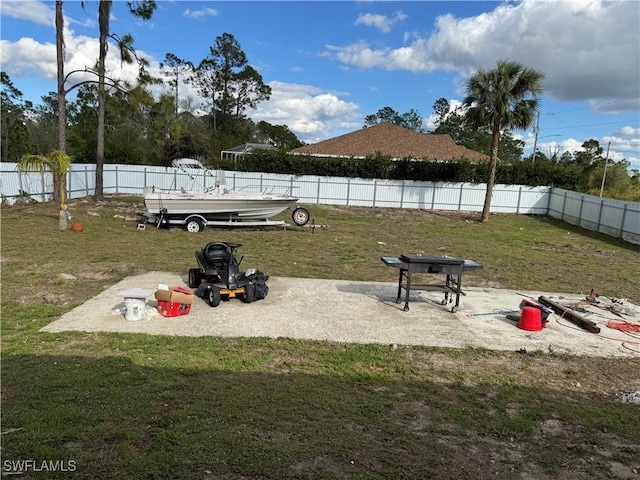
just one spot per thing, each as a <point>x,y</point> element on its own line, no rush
<point>195,222</point>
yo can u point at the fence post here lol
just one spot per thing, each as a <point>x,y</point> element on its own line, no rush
<point>291,185</point>
<point>550,193</point>
<point>624,214</point>
<point>599,214</point>
<point>116,172</point>
<point>349,189</point>
<point>69,186</point>
<point>580,212</point>
<point>44,186</point>
<point>21,186</point>
<point>375,189</point>
<point>86,181</point>
<point>519,199</point>
<point>460,197</point>
<point>318,193</point>
<point>433,195</point>
<point>564,202</point>
<point>402,194</point>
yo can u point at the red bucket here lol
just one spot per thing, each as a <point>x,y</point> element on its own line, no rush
<point>530,319</point>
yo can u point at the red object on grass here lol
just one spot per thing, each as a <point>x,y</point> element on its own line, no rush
<point>530,319</point>
<point>168,308</point>
<point>624,326</point>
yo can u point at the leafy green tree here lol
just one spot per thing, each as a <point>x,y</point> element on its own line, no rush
<point>411,119</point>
<point>277,135</point>
<point>15,123</point>
<point>228,82</point>
<point>454,124</point>
<point>172,67</point>
<point>83,124</point>
<point>591,153</point>
<point>384,115</point>
<point>44,129</point>
<point>441,109</point>
<point>140,8</point>
<point>505,97</point>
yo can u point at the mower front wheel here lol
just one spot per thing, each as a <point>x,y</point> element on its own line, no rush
<point>194,278</point>
<point>213,296</point>
<point>249,293</point>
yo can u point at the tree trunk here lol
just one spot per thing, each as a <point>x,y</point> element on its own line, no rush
<point>99,192</point>
<point>103,20</point>
<point>493,163</point>
<point>62,220</point>
<point>62,103</point>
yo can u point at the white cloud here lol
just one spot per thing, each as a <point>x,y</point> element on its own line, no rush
<point>199,14</point>
<point>36,12</point>
<point>587,49</point>
<point>28,57</point>
<point>628,131</point>
<point>381,22</point>
<point>361,55</point>
<point>309,112</point>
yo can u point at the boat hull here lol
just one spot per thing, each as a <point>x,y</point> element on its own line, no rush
<point>214,206</point>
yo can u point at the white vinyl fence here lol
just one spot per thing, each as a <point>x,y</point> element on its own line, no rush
<point>612,217</point>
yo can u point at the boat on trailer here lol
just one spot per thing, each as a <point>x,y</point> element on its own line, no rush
<point>216,205</point>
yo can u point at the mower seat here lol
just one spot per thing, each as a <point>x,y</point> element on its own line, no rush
<point>216,253</point>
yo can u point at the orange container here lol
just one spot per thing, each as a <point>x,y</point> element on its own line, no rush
<point>530,319</point>
<point>77,226</point>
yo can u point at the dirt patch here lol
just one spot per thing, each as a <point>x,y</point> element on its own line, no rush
<point>596,375</point>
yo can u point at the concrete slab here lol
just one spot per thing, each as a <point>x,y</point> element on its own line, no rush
<point>360,312</point>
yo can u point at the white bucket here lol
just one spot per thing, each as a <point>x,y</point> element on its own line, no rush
<point>134,309</point>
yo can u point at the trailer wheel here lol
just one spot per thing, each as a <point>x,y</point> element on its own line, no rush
<point>194,278</point>
<point>249,293</point>
<point>300,216</point>
<point>194,225</point>
<point>213,296</point>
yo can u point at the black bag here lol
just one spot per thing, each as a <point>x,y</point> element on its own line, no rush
<point>259,280</point>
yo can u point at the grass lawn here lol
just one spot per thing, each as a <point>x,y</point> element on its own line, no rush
<point>138,406</point>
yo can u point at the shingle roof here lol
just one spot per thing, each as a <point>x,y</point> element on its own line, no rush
<point>392,140</point>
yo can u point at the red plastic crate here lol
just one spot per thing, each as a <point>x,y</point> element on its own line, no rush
<point>173,309</point>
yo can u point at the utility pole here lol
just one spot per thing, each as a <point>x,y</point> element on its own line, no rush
<point>604,175</point>
<point>535,142</point>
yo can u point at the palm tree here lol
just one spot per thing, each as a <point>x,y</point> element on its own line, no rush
<point>503,98</point>
<point>58,163</point>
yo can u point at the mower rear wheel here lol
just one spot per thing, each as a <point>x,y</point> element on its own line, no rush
<point>213,296</point>
<point>249,293</point>
<point>194,278</point>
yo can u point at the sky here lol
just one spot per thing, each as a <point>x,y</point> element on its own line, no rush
<point>330,64</point>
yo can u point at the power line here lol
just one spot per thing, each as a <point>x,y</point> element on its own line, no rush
<point>592,106</point>
<point>588,125</point>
